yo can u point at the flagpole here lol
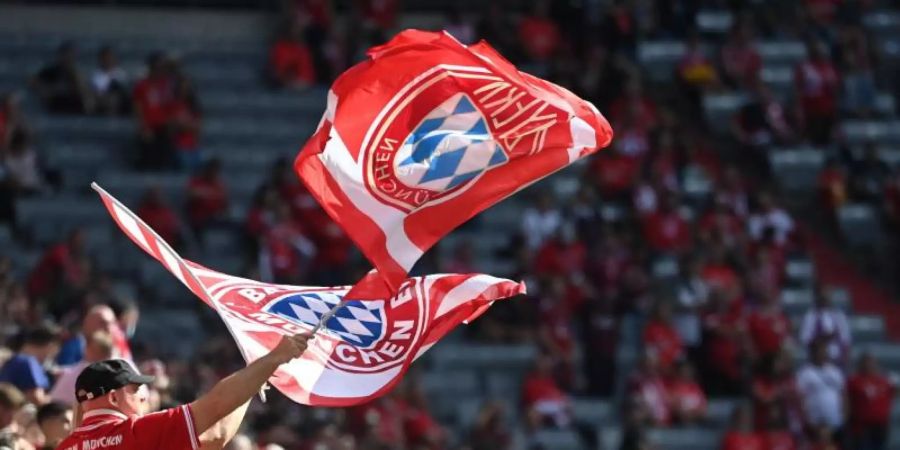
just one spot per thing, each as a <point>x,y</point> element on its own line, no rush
<point>183,266</point>
<point>328,315</point>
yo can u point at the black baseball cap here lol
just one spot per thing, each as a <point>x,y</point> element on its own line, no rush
<point>100,378</point>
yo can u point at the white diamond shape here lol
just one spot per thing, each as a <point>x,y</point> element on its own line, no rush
<point>362,314</point>
<point>305,315</point>
<point>354,326</point>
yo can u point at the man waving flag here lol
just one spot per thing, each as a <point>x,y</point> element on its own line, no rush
<point>429,132</point>
<point>361,350</point>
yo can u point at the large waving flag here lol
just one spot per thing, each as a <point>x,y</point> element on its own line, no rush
<point>427,133</point>
<point>360,352</point>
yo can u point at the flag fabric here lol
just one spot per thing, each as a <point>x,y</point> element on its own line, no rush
<point>360,352</point>
<point>427,133</point>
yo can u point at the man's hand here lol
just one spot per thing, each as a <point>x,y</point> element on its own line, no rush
<point>290,347</point>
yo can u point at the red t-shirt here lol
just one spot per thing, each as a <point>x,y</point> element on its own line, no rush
<point>106,429</point>
<point>768,331</point>
<point>540,37</point>
<point>556,258</point>
<point>724,346</point>
<point>162,219</point>
<point>616,174</point>
<point>721,276</point>
<point>736,440</point>
<point>818,84</point>
<point>686,396</point>
<point>185,139</point>
<point>646,112</point>
<point>419,425</point>
<point>652,393</point>
<point>667,232</point>
<point>292,61</point>
<point>778,440</point>
<point>55,265</point>
<point>284,259</point>
<point>665,340</point>
<point>152,97</point>
<point>208,199</point>
<point>741,61</point>
<point>381,12</point>
<point>870,400</point>
<point>541,389</point>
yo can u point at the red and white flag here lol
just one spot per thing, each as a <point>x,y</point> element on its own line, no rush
<point>427,133</point>
<point>360,352</point>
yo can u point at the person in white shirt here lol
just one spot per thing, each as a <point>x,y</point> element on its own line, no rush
<point>99,347</point>
<point>770,215</point>
<point>828,324</point>
<point>110,84</point>
<point>822,388</point>
<point>540,222</point>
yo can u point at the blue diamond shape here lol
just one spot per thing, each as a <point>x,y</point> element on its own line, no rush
<point>498,157</point>
<point>463,106</point>
<point>444,165</point>
<point>462,178</point>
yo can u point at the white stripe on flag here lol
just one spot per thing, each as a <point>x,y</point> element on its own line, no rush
<point>583,136</point>
<point>131,227</point>
<point>465,292</point>
<point>337,159</point>
<point>171,262</point>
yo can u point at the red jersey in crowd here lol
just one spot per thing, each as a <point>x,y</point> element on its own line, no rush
<point>651,392</point>
<point>870,400</point>
<point>208,199</point>
<point>665,341</point>
<point>768,331</point>
<point>539,36</point>
<point>720,276</point>
<point>152,97</point>
<point>615,173</point>
<point>736,440</point>
<point>687,397</point>
<point>818,85</point>
<point>667,231</point>
<point>161,218</point>
<point>560,258</point>
<point>382,13</point>
<point>292,61</point>
<point>741,61</point>
<point>187,137</point>
<point>724,347</point>
<point>57,264</point>
<point>778,440</point>
<point>171,429</point>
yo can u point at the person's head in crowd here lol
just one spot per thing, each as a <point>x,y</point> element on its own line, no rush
<point>816,50</point>
<point>543,365</point>
<point>742,418</point>
<point>868,365</point>
<point>41,342</point>
<point>98,318</point>
<point>98,346</point>
<point>821,297</point>
<point>649,364</point>
<point>127,314</point>
<point>113,384</point>
<point>157,65</point>
<point>11,400</point>
<point>212,169</point>
<point>77,241</point>
<point>55,421</point>
<point>66,54</point>
<point>662,311</point>
<point>106,58</point>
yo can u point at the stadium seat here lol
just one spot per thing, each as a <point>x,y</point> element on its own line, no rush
<point>887,354</point>
<point>659,58</point>
<point>859,224</point>
<point>503,384</point>
<point>882,22</point>
<point>867,329</point>
<point>781,52</point>
<point>714,22</point>
<point>800,272</point>
<point>593,411</point>
<point>796,301</point>
<point>59,211</point>
<point>720,108</point>
<point>684,438</point>
<point>796,169</point>
<point>861,131</point>
<point>556,440</point>
<point>482,356</point>
<point>718,411</point>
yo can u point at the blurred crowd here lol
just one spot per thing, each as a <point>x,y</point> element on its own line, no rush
<point>715,328</point>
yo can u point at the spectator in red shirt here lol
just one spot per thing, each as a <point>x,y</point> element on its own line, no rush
<point>156,212</point>
<point>285,251</point>
<point>718,272</point>
<point>635,100</point>
<point>741,436</point>
<point>870,394</point>
<point>186,117</point>
<point>64,267</point>
<point>648,389</point>
<point>666,230</point>
<point>721,225</point>
<point>832,186</point>
<point>741,62</point>
<point>207,203</point>
<point>538,34</point>
<point>379,421</point>
<point>725,342</point>
<point>381,14</point>
<point>686,396</point>
<point>420,428</point>
<point>614,173</point>
<point>544,400</point>
<point>661,337</point>
<point>152,97</point>
<point>291,62</point>
<point>774,392</point>
<point>564,255</point>
<point>769,326</point>
<point>817,83</point>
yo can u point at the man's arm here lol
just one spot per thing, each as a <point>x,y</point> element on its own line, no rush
<point>232,392</point>
<point>220,434</point>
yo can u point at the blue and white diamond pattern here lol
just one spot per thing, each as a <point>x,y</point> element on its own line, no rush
<point>451,146</point>
<point>359,323</point>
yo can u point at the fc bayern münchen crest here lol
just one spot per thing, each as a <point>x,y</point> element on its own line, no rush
<point>357,323</point>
